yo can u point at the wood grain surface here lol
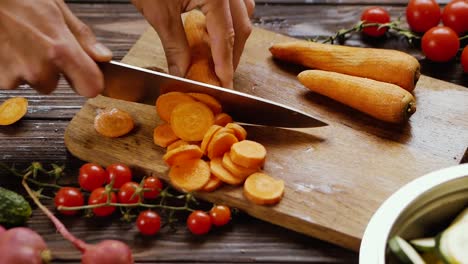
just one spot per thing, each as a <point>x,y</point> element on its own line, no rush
<point>336,176</point>
<point>117,24</point>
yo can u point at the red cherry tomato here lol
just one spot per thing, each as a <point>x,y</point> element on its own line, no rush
<point>440,44</point>
<point>154,186</point>
<point>120,173</point>
<point>464,59</point>
<point>220,215</point>
<point>148,222</point>
<point>455,16</point>
<point>68,196</point>
<point>422,15</point>
<point>91,176</point>
<point>99,196</point>
<point>126,194</point>
<point>199,222</point>
<point>375,15</point>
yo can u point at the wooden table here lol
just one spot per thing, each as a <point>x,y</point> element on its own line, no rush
<point>39,137</point>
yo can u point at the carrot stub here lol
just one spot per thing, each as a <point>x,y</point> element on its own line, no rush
<point>209,100</point>
<point>247,153</point>
<point>384,101</point>
<point>212,184</point>
<point>262,189</point>
<point>163,135</point>
<point>236,170</point>
<point>222,119</point>
<point>176,144</point>
<point>182,153</point>
<point>191,120</point>
<point>239,131</point>
<point>166,103</point>
<point>220,144</point>
<point>190,175</point>
<point>13,110</point>
<point>113,123</point>
<point>224,175</point>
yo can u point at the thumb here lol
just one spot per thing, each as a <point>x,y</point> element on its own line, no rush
<point>85,36</point>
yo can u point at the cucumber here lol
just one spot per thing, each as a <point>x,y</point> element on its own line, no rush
<point>404,251</point>
<point>452,244</point>
<point>424,244</point>
<point>14,209</point>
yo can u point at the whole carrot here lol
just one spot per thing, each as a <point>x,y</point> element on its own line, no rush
<point>384,65</point>
<point>384,101</point>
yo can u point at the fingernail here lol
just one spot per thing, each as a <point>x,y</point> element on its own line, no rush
<point>102,50</point>
<point>174,70</point>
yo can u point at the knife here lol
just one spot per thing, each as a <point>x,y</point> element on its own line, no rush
<point>135,84</point>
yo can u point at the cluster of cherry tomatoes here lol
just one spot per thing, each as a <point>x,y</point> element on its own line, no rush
<point>440,43</point>
<point>114,185</point>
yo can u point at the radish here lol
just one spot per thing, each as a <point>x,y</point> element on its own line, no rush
<point>22,245</point>
<point>107,251</point>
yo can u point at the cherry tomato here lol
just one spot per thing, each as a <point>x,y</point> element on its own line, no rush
<point>375,15</point>
<point>126,194</point>
<point>68,196</point>
<point>154,186</point>
<point>99,196</point>
<point>440,44</point>
<point>120,173</point>
<point>422,15</point>
<point>199,222</point>
<point>455,16</point>
<point>148,222</point>
<point>91,176</point>
<point>464,59</point>
<point>220,215</point>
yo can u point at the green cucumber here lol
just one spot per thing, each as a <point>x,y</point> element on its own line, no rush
<point>452,244</point>
<point>424,244</point>
<point>14,209</point>
<point>404,251</point>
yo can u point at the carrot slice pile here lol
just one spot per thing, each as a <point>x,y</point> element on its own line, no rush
<point>239,131</point>
<point>176,144</point>
<point>212,184</point>
<point>237,170</point>
<point>249,154</point>
<point>220,144</point>
<point>182,153</point>
<point>166,103</point>
<point>208,136</point>
<point>190,175</point>
<point>13,110</point>
<point>260,188</point>
<point>222,119</point>
<point>224,175</point>
<point>113,123</point>
<point>191,120</point>
<point>163,135</point>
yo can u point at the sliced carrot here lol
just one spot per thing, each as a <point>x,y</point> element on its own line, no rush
<point>260,188</point>
<point>177,144</point>
<point>13,110</point>
<point>113,122</point>
<point>190,121</point>
<point>208,136</point>
<point>212,184</point>
<point>239,131</point>
<point>182,153</point>
<point>247,153</point>
<point>222,119</point>
<point>163,135</point>
<point>237,170</point>
<point>220,144</point>
<point>166,103</point>
<point>209,100</point>
<point>224,175</point>
<point>190,175</point>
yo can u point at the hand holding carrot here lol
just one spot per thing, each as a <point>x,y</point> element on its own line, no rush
<point>228,27</point>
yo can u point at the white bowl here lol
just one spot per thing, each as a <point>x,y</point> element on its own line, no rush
<point>421,208</point>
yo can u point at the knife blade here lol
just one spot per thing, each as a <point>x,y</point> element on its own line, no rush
<point>135,84</point>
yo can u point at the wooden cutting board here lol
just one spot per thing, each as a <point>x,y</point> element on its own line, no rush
<point>336,176</point>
